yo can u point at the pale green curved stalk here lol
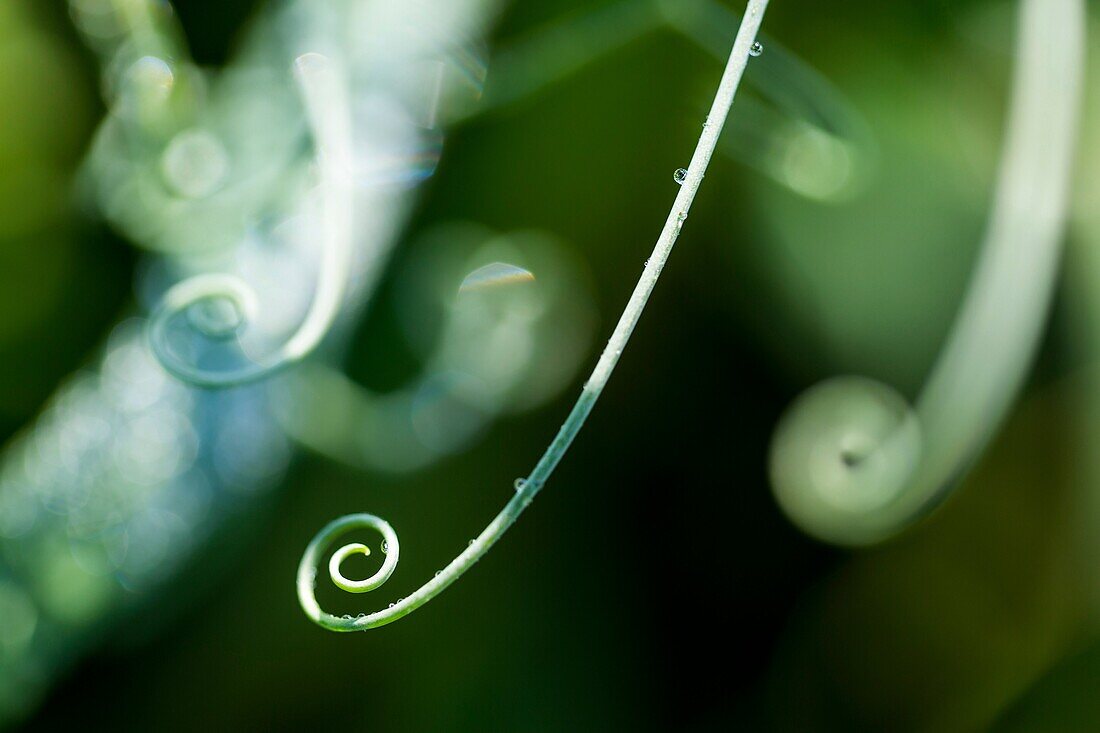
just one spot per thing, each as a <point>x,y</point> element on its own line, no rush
<point>324,93</point>
<point>851,463</point>
<point>526,489</point>
<point>568,44</point>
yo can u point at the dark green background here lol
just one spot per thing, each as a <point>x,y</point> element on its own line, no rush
<point>654,585</point>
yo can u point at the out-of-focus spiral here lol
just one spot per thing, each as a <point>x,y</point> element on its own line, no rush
<point>842,455</point>
<point>218,306</point>
<point>851,463</point>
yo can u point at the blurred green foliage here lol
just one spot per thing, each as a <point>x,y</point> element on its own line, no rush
<point>61,279</point>
<point>974,617</point>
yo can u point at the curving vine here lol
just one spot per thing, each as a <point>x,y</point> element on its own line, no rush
<point>745,46</point>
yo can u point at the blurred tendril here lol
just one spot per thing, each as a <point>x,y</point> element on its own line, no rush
<point>494,339</point>
<point>149,82</point>
<point>563,47</point>
<point>219,306</point>
<point>851,462</point>
<point>800,130</point>
<point>176,162</point>
<point>130,28</point>
<point>527,488</point>
<point>129,473</point>
<point>807,136</point>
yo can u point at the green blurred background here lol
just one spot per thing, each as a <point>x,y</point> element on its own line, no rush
<point>654,585</point>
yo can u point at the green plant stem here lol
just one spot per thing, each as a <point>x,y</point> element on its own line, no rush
<point>529,487</point>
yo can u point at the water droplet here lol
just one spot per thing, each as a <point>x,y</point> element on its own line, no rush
<point>438,573</point>
<point>347,617</point>
<point>497,273</point>
<point>519,483</point>
<point>680,175</point>
<point>470,543</point>
<point>756,49</point>
<point>311,63</point>
<point>151,74</point>
<point>392,605</point>
<point>385,547</point>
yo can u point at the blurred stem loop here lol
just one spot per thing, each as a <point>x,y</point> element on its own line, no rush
<point>911,459</point>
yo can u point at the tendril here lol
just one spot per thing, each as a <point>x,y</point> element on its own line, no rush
<point>527,488</point>
<point>219,306</point>
<point>851,462</point>
<point>307,569</point>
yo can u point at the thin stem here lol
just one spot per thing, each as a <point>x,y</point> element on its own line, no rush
<point>526,489</point>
